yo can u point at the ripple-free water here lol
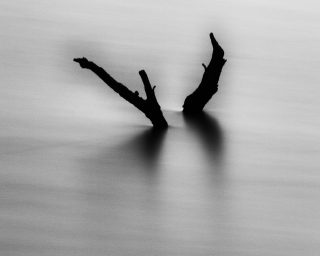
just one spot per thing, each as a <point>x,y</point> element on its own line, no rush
<point>81,173</point>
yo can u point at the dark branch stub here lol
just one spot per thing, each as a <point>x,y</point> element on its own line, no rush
<point>195,102</point>
<point>149,106</point>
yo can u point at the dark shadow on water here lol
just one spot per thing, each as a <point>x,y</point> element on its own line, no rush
<point>208,131</point>
<point>135,158</point>
<point>146,147</point>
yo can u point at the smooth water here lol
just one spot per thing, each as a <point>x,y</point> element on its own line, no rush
<point>81,173</point>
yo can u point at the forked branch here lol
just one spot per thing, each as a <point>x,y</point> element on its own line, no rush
<point>149,106</point>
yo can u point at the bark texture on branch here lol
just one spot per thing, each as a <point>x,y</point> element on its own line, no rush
<point>149,106</point>
<point>196,101</point>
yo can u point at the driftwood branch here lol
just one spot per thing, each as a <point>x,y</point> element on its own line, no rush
<point>149,106</point>
<point>196,101</point>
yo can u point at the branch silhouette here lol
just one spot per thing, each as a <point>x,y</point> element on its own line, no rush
<point>149,106</point>
<point>195,102</point>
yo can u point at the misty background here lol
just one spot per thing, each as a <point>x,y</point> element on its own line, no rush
<point>82,174</point>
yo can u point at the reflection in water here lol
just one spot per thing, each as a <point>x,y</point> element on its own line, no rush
<point>146,146</point>
<point>209,133</point>
<point>134,157</point>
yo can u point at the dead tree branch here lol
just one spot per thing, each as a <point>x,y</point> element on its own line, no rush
<point>149,106</point>
<point>196,101</point>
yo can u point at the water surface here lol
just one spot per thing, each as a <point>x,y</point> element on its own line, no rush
<point>81,171</point>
